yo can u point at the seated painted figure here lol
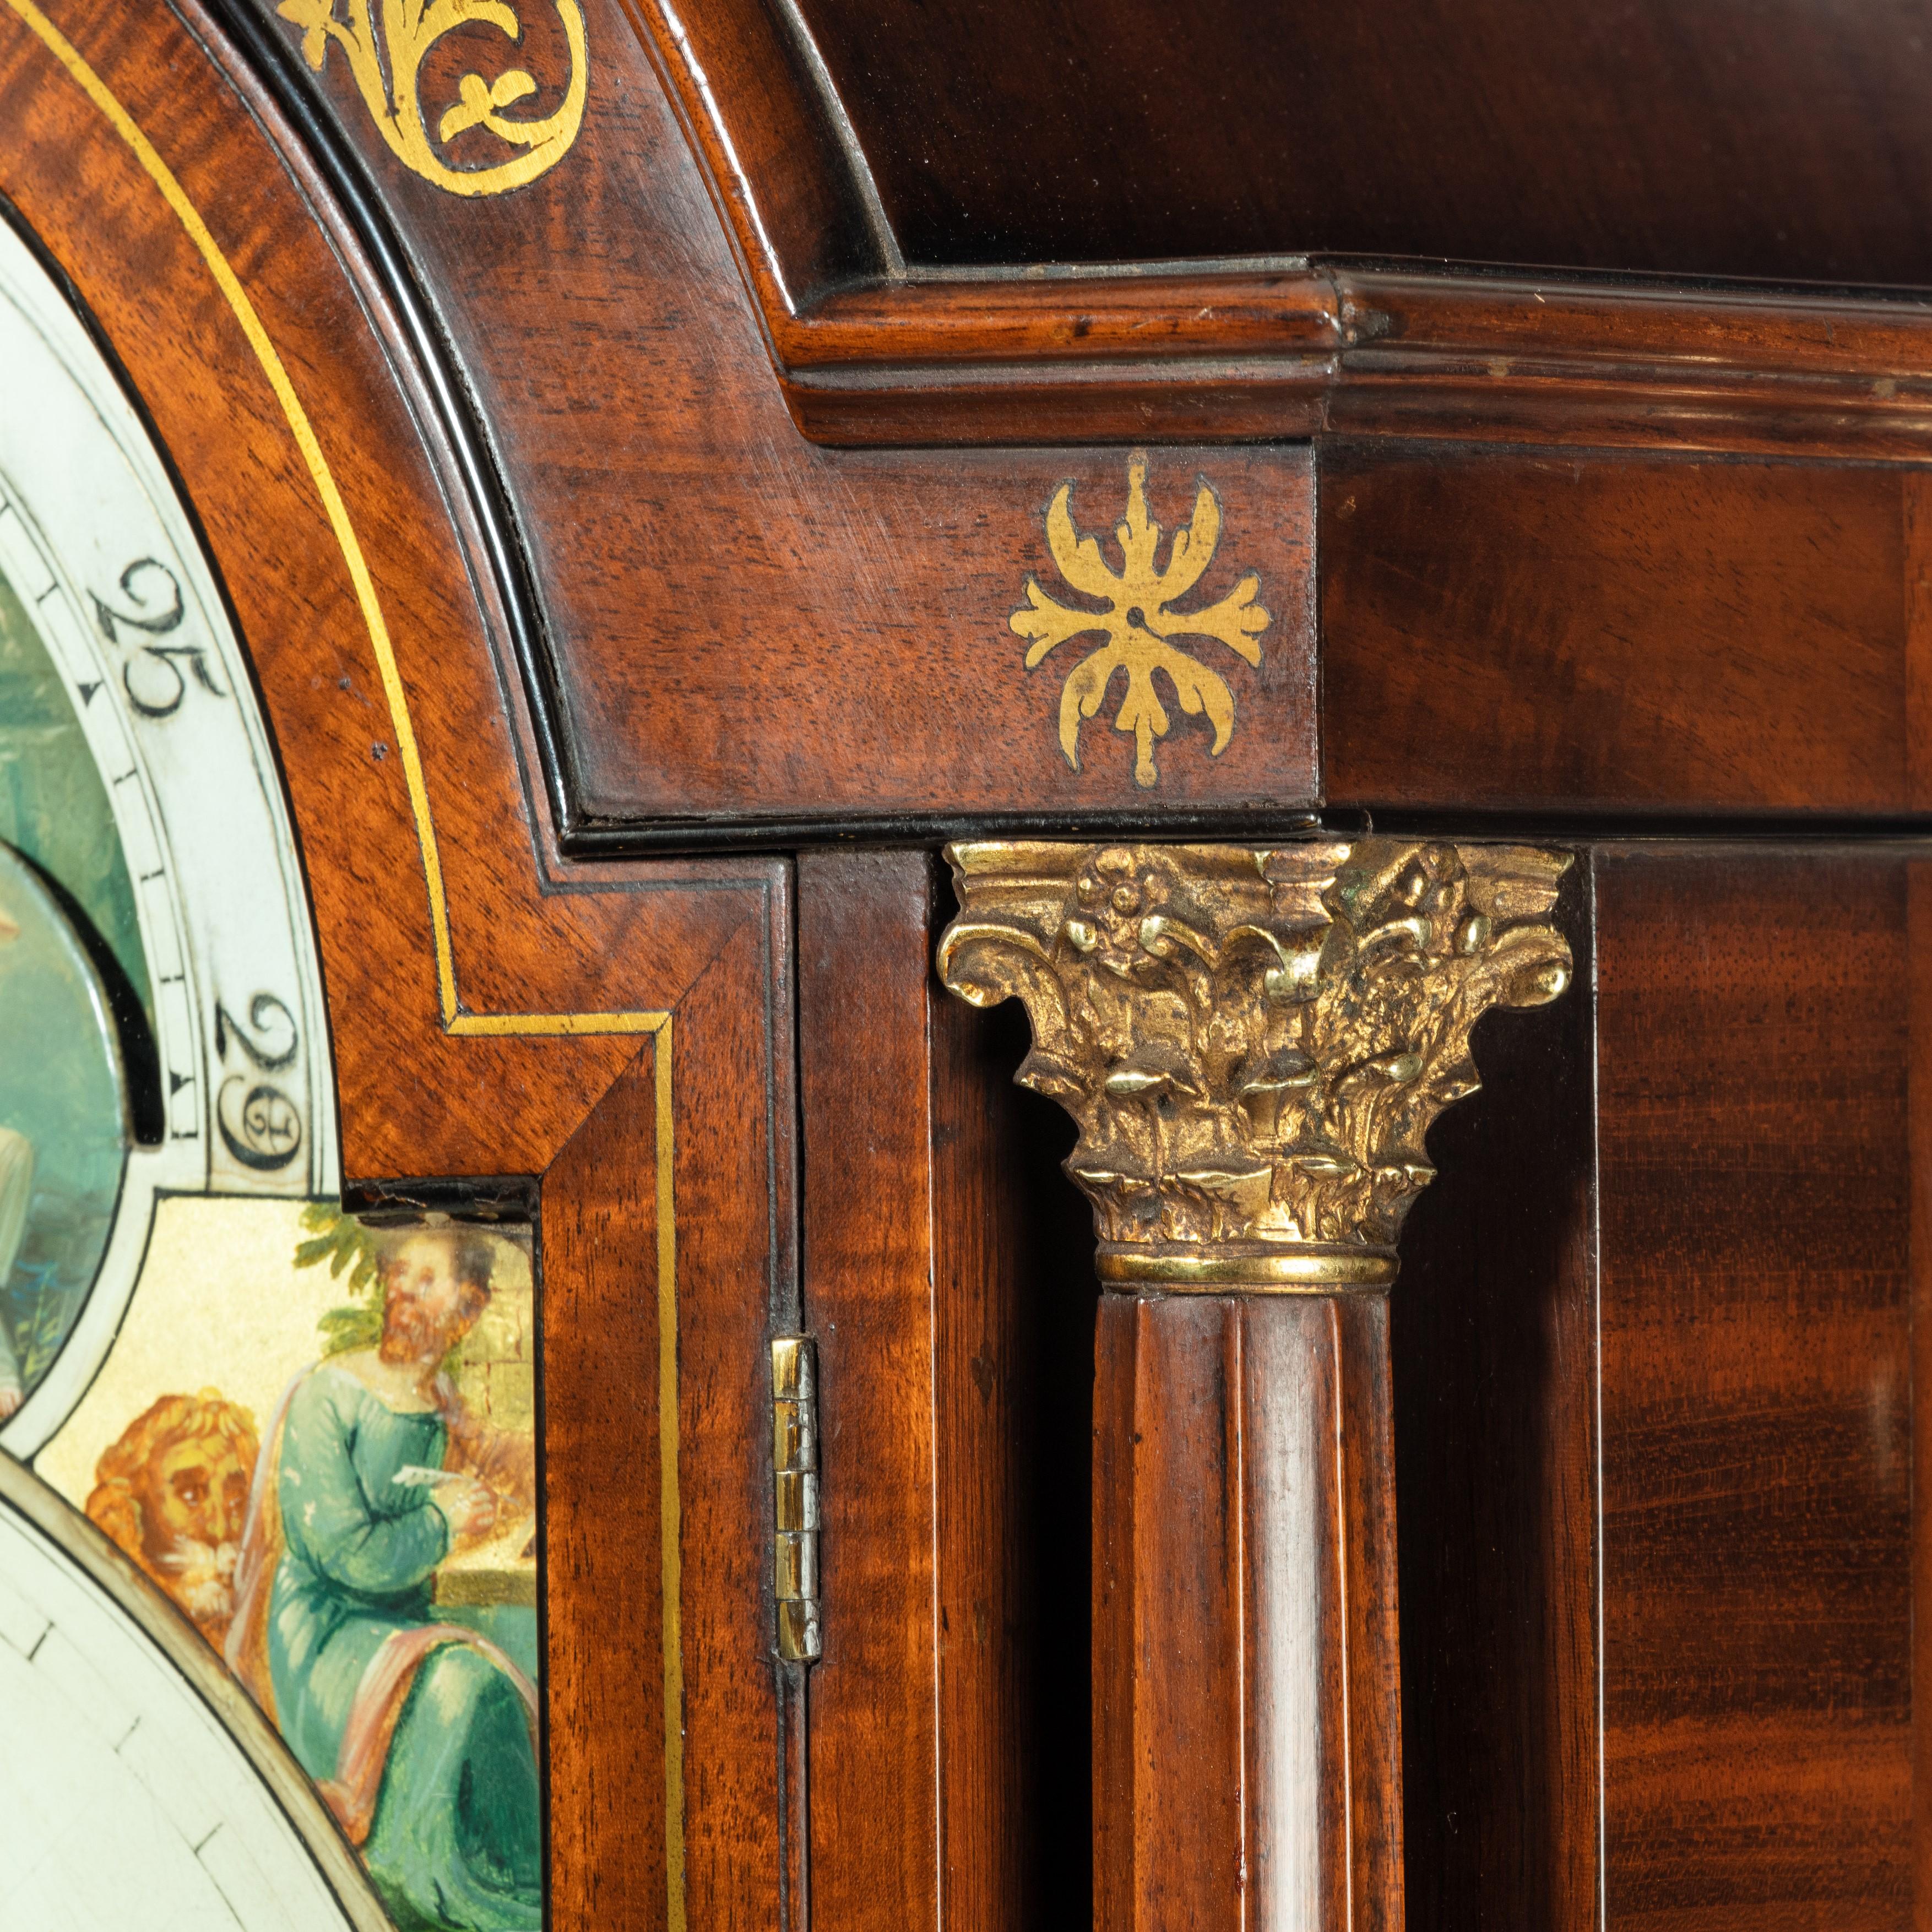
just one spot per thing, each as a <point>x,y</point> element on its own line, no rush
<point>419,1732</point>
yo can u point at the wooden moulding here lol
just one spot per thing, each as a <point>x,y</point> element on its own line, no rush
<point>827,651</point>
<point>1307,349</point>
<point>870,350</point>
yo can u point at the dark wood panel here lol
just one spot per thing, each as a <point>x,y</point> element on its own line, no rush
<point>1776,141</point>
<point>636,1823</point>
<point>603,1610</point>
<point>874,1844</point>
<point>948,1279</point>
<point>1014,1374</point>
<point>1756,1390</point>
<point>1493,1353</point>
<point>1606,634</point>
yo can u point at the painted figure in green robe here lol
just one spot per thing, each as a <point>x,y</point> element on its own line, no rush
<point>419,1732</point>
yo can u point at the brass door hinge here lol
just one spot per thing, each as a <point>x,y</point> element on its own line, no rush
<point>795,1489</point>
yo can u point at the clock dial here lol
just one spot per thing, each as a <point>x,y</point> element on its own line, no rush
<point>64,1128</point>
<point>136,775</point>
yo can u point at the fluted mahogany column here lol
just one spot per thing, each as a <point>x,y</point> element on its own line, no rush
<point>1254,1043</point>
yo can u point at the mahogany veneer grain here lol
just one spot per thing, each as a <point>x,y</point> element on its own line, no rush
<point>1757,1507</point>
<point>1541,634</point>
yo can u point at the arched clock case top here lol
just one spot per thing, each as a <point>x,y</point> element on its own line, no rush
<point>642,1021</point>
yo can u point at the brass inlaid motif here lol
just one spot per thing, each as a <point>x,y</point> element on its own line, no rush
<point>1253,1042</point>
<point>387,66</point>
<point>1139,623</point>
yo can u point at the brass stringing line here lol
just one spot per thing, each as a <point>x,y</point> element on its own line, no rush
<point>657,1024</point>
<point>670,1506</point>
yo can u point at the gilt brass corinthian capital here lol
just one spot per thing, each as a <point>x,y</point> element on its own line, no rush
<point>1253,1041</point>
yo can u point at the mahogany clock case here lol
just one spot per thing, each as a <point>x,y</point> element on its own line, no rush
<point>625,1035</point>
<point>693,681</point>
<point>627,564</point>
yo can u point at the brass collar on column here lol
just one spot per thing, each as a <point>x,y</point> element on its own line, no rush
<point>1254,1041</point>
<point>1299,1267</point>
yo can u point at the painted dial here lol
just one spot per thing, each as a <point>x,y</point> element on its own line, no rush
<point>138,784</point>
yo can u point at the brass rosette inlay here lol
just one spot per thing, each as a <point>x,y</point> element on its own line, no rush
<point>1254,1042</point>
<point>1139,622</point>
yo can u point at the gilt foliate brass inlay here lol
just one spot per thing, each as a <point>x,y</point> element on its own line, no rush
<point>1140,622</point>
<point>1253,1041</point>
<point>385,43</point>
